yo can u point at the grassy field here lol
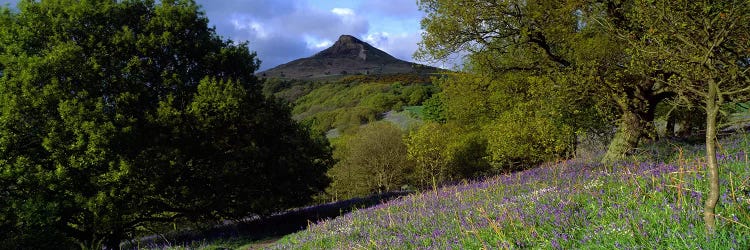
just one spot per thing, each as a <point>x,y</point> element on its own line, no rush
<point>645,204</point>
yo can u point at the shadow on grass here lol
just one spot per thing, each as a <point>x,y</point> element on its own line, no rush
<point>255,229</point>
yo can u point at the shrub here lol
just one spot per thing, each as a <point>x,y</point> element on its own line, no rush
<point>371,160</point>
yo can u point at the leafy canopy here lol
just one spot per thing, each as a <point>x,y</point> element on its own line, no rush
<point>117,114</point>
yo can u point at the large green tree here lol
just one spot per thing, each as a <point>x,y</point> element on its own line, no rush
<point>114,114</point>
<point>703,50</point>
<point>565,41</point>
<point>523,119</point>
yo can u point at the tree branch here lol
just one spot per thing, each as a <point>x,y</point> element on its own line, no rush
<point>541,41</point>
<point>730,93</point>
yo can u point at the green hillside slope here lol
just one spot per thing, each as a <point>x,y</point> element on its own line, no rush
<point>574,204</point>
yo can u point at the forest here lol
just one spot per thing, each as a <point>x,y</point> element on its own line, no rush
<point>124,119</point>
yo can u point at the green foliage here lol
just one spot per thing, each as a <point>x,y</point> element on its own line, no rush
<point>517,140</point>
<point>566,205</point>
<point>346,105</point>
<point>434,109</point>
<point>371,160</point>
<point>287,89</point>
<point>117,114</point>
<point>446,153</point>
<point>523,119</point>
<point>570,42</point>
<point>702,49</point>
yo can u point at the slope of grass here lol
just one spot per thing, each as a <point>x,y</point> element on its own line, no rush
<point>256,232</point>
<point>570,204</point>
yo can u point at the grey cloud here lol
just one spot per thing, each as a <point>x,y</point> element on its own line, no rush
<point>395,8</point>
<point>258,8</point>
<point>281,27</point>
<point>278,50</point>
<point>323,24</point>
<point>401,46</point>
<point>277,31</point>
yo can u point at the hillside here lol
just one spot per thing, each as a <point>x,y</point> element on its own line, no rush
<point>644,204</point>
<point>348,56</point>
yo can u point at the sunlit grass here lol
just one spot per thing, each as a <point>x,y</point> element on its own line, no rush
<point>571,204</point>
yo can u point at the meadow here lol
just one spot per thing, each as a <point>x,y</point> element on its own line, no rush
<point>653,201</point>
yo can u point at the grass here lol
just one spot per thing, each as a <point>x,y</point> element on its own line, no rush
<point>228,243</point>
<point>643,204</point>
<point>415,111</point>
<point>256,233</point>
<point>405,120</point>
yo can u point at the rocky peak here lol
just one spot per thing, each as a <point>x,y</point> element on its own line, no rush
<point>346,39</point>
<point>348,46</point>
<point>348,55</point>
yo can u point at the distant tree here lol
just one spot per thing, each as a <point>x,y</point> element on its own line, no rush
<point>434,109</point>
<point>372,160</point>
<point>703,50</point>
<point>116,114</point>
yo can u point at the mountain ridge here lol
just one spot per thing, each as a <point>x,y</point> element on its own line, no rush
<point>347,56</point>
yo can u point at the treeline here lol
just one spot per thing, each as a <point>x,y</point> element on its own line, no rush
<point>348,103</point>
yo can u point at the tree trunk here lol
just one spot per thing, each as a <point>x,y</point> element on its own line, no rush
<point>669,132</point>
<point>626,138</point>
<point>712,110</point>
<point>638,107</point>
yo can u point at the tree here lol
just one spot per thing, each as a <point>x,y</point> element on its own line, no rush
<point>117,114</point>
<point>703,50</point>
<point>446,153</point>
<point>433,108</point>
<point>563,40</point>
<point>426,147</point>
<point>524,119</point>
<point>372,160</point>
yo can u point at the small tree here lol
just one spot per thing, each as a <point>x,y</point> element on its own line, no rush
<point>446,152</point>
<point>372,160</point>
<point>703,50</point>
<point>427,148</point>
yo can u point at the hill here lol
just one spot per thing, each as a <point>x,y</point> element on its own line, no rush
<point>651,203</point>
<point>348,56</point>
<point>576,204</point>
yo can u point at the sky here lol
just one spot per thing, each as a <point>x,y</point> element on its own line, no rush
<point>284,30</point>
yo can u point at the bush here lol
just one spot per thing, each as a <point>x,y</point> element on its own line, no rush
<point>517,139</point>
<point>371,160</point>
<point>446,153</point>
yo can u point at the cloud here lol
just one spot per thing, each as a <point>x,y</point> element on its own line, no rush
<point>280,49</point>
<point>400,45</point>
<point>392,8</point>
<point>281,31</point>
<point>343,12</point>
<point>318,45</point>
